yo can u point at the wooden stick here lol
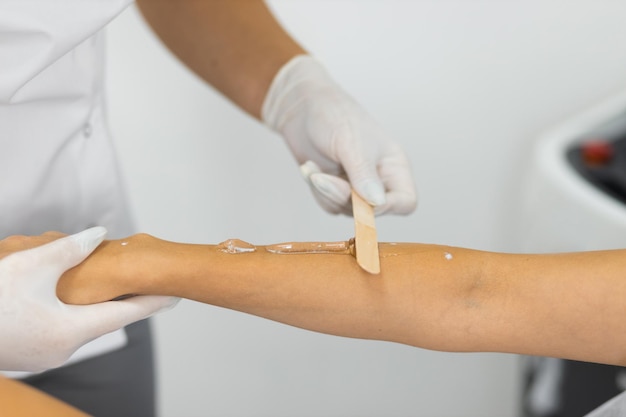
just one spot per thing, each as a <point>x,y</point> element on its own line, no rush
<point>365,239</point>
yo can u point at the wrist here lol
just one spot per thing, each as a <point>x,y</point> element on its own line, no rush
<point>300,74</point>
<point>132,265</point>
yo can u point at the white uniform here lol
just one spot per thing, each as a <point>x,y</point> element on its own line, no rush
<point>57,162</point>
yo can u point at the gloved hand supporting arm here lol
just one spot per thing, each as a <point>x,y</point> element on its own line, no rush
<point>37,330</point>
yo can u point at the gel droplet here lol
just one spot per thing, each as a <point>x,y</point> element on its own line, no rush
<point>236,246</point>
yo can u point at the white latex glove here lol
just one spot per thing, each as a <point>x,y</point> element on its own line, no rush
<point>334,139</point>
<point>37,330</point>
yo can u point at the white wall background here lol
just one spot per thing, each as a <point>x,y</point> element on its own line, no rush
<point>464,85</point>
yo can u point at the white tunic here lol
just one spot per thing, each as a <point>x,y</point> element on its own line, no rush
<point>57,164</point>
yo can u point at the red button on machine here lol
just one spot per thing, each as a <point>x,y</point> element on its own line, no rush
<point>597,152</point>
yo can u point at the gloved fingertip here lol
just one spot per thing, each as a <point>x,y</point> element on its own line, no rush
<point>148,305</point>
<point>402,203</point>
<point>98,319</point>
<point>89,239</point>
<point>334,188</point>
<point>382,209</point>
<point>166,302</point>
<point>373,192</point>
<point>309,168</point>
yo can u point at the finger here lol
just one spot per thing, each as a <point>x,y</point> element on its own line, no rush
<point>69,251</point>
<point>333,191</point>
<point>18,243</point>
<point>47,263</point>
<point>98,319</point>
<point>309,168</point>
<point>362,173</point>
<point>395,172</point>
<point>371,190</point>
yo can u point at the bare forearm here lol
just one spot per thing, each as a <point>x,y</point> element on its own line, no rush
<point>235,45</point>
<point>408,302</point>
<point>567,305</point>
<point>429,296</point>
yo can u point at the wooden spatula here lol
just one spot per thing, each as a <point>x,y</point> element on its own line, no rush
<point>365,240</point>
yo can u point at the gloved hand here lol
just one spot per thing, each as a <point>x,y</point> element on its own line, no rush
<point>38,331</point>
<point>334,139</point>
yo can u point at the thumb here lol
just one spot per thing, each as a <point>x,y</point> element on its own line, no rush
<point>69,251</point>
<point>48,262</point>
